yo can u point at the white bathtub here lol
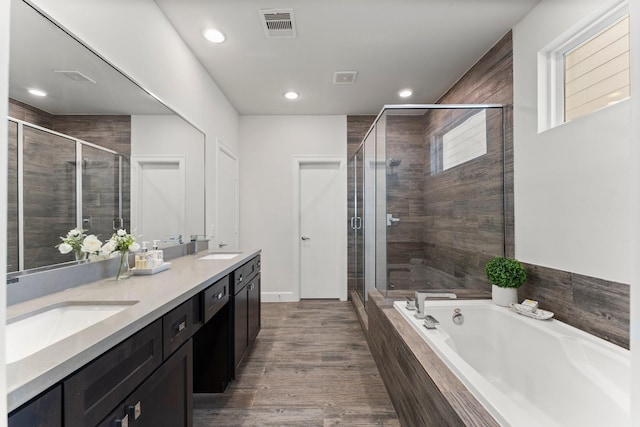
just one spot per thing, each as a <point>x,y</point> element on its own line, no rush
<point>529,372</point>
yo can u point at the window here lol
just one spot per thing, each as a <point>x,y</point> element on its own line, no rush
<point>597,71</point>
<point>459,143</point>
<point>585,69</point>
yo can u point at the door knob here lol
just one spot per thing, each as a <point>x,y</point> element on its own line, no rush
<point>306,238</point>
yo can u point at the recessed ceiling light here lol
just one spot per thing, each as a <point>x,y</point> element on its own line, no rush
<point>37,92</point>
<point>291,95</point>
<point>213,35</point>
<point>405,93</point>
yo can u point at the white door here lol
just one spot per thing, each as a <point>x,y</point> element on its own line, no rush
<point>226,234</point>
<point>320,222</point>
<point>158,198</point>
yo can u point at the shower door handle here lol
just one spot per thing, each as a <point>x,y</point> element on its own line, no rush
<point>305,238</point>
<point>358,223</point>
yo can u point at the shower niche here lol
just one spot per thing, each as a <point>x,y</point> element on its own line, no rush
<point>427,200</point>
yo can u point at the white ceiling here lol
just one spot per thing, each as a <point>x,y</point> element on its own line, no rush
<point>39,48</point>
<point>425,45</point>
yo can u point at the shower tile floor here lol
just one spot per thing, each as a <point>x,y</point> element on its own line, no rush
<point>309,366</point>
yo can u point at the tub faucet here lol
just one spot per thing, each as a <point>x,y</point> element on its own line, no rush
<point>421,296</point>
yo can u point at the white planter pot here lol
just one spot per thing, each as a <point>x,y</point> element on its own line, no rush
<point>504,296</point>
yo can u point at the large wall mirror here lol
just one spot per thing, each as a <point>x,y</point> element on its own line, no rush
<point>93,151</point>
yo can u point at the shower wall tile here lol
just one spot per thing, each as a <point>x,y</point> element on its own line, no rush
<point>21,111</point>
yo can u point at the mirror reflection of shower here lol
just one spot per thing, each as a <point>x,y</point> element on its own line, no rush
<point>392,163</point>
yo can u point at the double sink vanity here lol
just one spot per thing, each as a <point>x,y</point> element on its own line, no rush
<point>133,352</point>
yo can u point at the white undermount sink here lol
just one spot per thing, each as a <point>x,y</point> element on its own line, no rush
<point>34,332</point>
<point>221,256</point>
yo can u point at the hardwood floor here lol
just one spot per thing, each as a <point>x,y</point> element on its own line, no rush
<point>309,366</point>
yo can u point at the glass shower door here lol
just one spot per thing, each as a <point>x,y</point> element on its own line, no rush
<point>100,191</point>
<point>358,237</point>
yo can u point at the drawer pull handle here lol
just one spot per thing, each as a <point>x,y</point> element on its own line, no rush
<point>240,279</point>
<point>181,326</point>
<point>124,422</point>
<point>135,410</point>
<point>219,296</point>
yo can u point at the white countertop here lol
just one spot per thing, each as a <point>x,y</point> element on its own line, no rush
<point>156,295</point>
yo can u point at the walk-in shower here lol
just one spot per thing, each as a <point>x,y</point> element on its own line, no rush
<point>55,183</point>
<point>426,198</point>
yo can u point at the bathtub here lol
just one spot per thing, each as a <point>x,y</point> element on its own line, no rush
<point>529,372</point>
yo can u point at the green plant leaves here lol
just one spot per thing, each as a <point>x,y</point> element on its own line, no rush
<point>505,272</point>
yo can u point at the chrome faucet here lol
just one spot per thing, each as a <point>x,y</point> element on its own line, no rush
<point>421,296</point>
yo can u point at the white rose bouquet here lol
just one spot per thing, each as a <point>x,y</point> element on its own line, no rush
<point>121,242</point>
<point>77,241</point>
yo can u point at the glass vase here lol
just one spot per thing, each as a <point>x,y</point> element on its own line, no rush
<point>80,256</point>
<point>124,272</point>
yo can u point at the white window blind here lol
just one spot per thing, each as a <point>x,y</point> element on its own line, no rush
<point>597,71</point>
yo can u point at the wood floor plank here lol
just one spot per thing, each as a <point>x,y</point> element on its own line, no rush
<point>309,366</point>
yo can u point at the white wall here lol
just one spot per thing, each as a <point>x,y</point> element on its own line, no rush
<point>269,144</point>
<point>172,136</point>
<point>572,182</point>
<point>138,39</point>
<point>4,96</point>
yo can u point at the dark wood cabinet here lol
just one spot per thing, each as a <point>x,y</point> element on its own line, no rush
<point>43,411</point>
<point>211,344</point>
<point>253,312</point>
<point>149,378</point>
<point>240,324</point>
<point>92,392</point>
<point>246,308</point>
<point>163,399</point>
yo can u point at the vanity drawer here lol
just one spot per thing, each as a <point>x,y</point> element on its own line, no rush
<point>238,279</point>
<point>251,268</point>
<point>92,392</point>
<point>177,327</point>
<point>215,297</point>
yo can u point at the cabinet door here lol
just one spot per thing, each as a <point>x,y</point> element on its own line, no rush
<point>164,399</point>
<point>241,340</point>
<point>253,314</point>
<point>43,411</point>
<point>93,391</point>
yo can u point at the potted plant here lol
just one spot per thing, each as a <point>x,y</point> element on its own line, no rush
<point>506,275</point>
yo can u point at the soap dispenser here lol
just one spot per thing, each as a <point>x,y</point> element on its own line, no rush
<point>142,257</point>
<point>158,254</point>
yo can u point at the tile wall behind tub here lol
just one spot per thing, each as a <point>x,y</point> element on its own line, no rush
<point>112,132</point>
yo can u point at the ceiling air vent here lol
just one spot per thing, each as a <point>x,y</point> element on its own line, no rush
<point>76,76</point>
<point>278,23</point>
<point>344,77</point>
